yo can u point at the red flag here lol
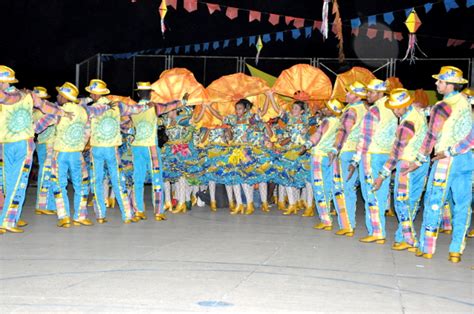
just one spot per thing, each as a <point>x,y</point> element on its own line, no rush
<point>450,42</point>
<point>472,46</point>
<point>255,15</point>
<point>371,33</point>
<point>288,19</point>
<point>298,23</point>
<point>355,31</point>
<point>398,36</point>
<point>190,5</point>
<point>172,3</point>
<point>213,7</point>
<point>274,19</point>
<point>232,13</point>
<point>388,35</point>
<point>317,24</point>
<point>459,42</point>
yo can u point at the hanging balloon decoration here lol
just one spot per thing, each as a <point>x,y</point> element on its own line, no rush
<point>412,22</point>
<point>325,17</point>
<point>163,10</point>
<point>259,47</point>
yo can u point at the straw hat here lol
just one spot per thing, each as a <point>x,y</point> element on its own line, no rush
<point>7,75</point>
<point>357,88</point>
<point>143,86</point>
<point>335,106</point>
<point>399,98</point>
<point>450,74</point>
<point>68,91</point>
<point>97,87</point>
<point>41,92</point>
<point>377,85</point>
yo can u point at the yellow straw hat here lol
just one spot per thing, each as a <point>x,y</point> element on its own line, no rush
<point>335,106</point>
<point>143,86</point>
<point>357,88</point>
<point>68,91</point>
<point>469,91</point>
<point>97,87</point>
<point>450,74</point>
<point>377,85</point>
<point>399,98</point>
<point>7,75</point>
<point>41,92</point>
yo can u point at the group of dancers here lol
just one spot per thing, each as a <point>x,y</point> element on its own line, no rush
<point>317,157</point>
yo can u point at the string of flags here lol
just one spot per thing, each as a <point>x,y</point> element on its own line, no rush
<point>299,29</point>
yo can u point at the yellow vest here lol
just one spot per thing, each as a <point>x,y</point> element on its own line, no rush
<point>47,136</point>
<point>70,133</point>
<point>384,135</point>
<point>421,127</point>
<point>327,139</point>
<point>105,129</point>
<point>457,126</point>
<point>146,124</point>
<point>16,120</point>
<point>353,138</point>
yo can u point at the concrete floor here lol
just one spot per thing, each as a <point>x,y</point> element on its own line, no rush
<point>218,263</point>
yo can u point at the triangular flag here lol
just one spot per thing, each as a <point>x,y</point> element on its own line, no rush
<point>295,33</point>
<point>205,47</point>
<point>469,3</point>
<point>226,43</point>
<point>371,33</point>
<point>388,35</point>
<point>252,40</point>
<point>187,48</point>
<point>355,23</point>
<point>232,13</point>
<point>255,16</point>
<point>215,45</point>
<point>279,36</point>
<point>288,19</point>
<point>197,47</point>
<point>213,7</point>
<point>168,50</point>
<point>372,20</point>
<point>428,7</point>
<point>298,23</point>
<point>398,36</point>
<point>450,42</point>
<point>190,5</point>
<point>308,31</point>
<point>318,25</point>
<point>239,41</point>
<point>266,38</point>
<point>388,17</point>
<point>270,79</point>
<point>450,4</point>
<point>459,42</point>
<point>176,49</point>
<point>274,19</point>
<point>172,3</point>
<point>408,11</point>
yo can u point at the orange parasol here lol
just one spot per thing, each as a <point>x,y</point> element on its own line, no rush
<point>394,82</point>
<point>421,97</point>
<point>355,74</point>
<point>302,82</point>
<point>227,90</point>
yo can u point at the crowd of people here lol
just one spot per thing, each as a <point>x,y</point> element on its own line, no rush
<point>379,140</point>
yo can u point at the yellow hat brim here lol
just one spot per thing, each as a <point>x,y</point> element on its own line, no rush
<point>138,89</point>
<point>461,80</point>
<point>105,92</point>
<point>354,93</point>
<point>10,82</point>
<point>378,91</point>
<point>468,91</point>
<point>68,97</point>
<point>330,109</point>
<point>408,103</point>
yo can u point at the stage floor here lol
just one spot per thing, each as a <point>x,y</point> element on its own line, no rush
<point>214,262</point>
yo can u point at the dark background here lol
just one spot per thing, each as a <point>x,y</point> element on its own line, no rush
<point>43,40</point>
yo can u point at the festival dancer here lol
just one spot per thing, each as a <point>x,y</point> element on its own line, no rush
<point>146,154</point>
<point>344,148</point>
<point>17,139</point>
<point>105,140</point>
<point>450,123</point>
<point>377,136</point>
<point>45,204</point>
<point>321,170</point>
<point>408,186</point>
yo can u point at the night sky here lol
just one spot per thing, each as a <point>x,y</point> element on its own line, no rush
<point>43,40</point>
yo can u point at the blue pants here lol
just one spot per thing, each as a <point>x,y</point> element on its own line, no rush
<point>109,157</point>
<point>147,159</point>
<point>44,195</point>
<point>375,203</point>
<point>407,195</point>
<point>64,164</point>
<point>322,175</point>
<point>345,197</point>
<point>450,174</point>
<point>17,157</point>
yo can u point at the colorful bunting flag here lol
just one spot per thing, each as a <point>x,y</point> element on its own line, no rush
<point>232,13</point>
<point>213,7</point>
<point>450,4</point>
<point>254,16</point>
<point>388,17</point>
<point>372,20</point>
<point>274,19</point>
<point>190,5</point>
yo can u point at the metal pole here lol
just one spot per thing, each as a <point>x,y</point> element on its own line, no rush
<point>78,67</point>
<point>98,66</point>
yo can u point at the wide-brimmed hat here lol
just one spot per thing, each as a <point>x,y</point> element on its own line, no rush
<point>357,88</point>
<point>7,75</point>
<point>399,98</point>
<point>450,74</point>
<point>41,92</point>
<point>143,86</point>
<point>97,87</point>
<point>377,85</point>
<point>69,91</point>
<point>335,106</point>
